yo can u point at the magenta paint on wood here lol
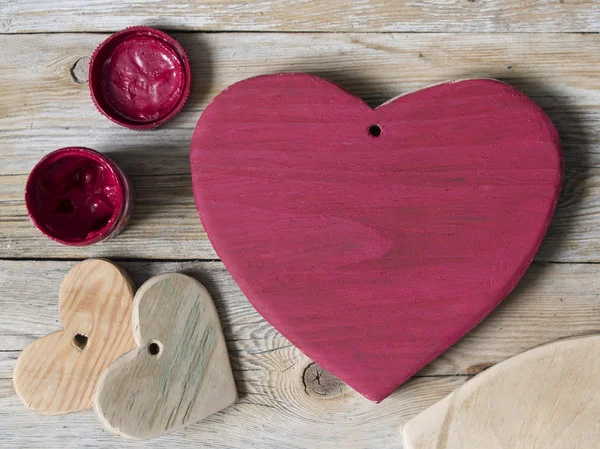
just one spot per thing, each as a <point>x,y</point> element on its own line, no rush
<point>374,239</point>
<point>139,77</point>
<point>78,196</point>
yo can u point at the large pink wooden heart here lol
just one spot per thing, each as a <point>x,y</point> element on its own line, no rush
<point>374,253</point>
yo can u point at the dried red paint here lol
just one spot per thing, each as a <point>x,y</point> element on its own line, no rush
<point>375,253</point>
<point>139,77</point>
<point>77,196</point>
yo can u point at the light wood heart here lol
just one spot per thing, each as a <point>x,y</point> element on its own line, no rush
<point>180,372</point>
<point>547,398</point>
<point>57,374</point>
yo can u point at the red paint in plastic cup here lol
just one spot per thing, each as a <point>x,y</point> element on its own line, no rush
<point>139,77</point>
<point>77,196</point>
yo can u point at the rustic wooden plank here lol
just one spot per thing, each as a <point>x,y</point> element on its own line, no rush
<point>255,421</point>
<point>164,225</point>
<point>45,108</point>
<point>289,15</point>
<point>552,301</point>
<point>166,221</point>
<point>281,404</point>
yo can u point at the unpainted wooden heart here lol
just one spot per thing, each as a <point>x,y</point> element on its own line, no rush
<point>180,371</point>
<point>548,397</point>
<point>57,374</point>
<point>374,239</point>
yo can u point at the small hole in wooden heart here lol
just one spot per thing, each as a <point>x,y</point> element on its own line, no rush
<point>154,349</point>
<point>80,341</point>
<point>375,130</point>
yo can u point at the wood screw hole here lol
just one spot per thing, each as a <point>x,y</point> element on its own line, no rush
<point>154,348</point>
<point>80,341</point>
<point>375,130</point>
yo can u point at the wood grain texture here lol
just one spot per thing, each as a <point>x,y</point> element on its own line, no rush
<point>292,423</point>
<point>281,404</point>
<point>45,109</point>
<point>180,372</point>
<point>20,16</point>
<point>57,374</point>
<point>374,239</point>
<point>548,397</point>
<point>285,400</point>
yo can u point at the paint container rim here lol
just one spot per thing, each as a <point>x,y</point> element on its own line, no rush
<point>102,54</point>
<point>119,217</point>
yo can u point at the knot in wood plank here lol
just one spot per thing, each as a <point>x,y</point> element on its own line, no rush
<point>321,383</point>
<point>79,70</point>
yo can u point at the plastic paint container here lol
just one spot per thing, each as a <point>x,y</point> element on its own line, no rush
<point>78,196</point>
<point>139,77</point>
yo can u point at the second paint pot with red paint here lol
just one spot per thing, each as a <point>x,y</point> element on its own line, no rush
<point>77,196</point>
<point>139,77</point>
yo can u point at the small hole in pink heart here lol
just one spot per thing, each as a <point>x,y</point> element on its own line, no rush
<point>154,348</point>
<point>375,130</point>
<point>80,341</point>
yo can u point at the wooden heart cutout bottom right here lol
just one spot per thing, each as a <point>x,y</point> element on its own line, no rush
<point>546,398</point>
<point>180,372</point>
<point>374,239</point>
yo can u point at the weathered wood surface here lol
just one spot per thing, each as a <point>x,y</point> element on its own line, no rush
<point>20,16</point>
<point>45,108</point>
<point>283,403</point>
